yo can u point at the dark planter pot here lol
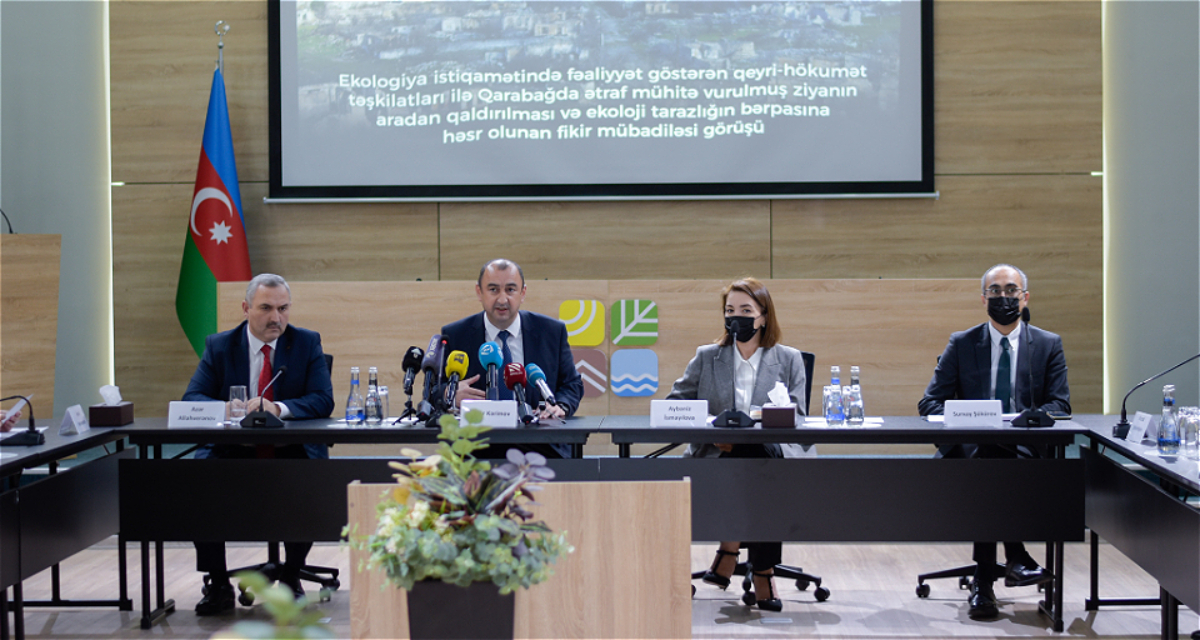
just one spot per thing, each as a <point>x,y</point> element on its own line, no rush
<point>441,611</point>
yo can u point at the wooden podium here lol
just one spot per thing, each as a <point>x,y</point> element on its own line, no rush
<point>29,268</point>
<point>629,576</point>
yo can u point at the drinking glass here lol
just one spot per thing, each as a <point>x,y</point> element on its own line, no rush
<point>1189,432</point>
<point>237,403</point>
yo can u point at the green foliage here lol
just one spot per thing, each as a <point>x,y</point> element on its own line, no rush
<point>292,620</point>
<point>459,520</point>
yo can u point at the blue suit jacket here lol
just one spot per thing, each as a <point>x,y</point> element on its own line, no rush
<point>964,371</point>
<point>305,387</point>
<point>544,341</point>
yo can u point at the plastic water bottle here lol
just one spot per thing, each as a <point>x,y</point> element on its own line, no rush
<point>835,413</point>
<point>854,406</point>
<point>1168,427</point>
<point>374,406</point>
<point>354,404</point>
<point>857,387</point>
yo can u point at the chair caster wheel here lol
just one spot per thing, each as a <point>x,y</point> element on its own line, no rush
<point>922,591</point>
<point>822,594</point>
<point>246,598</point>
<point>693,591</point>
<point>802,584</point>
<point>1196,635</point>
<point>964,582</point>
<point>335,584</point>
<point>748,599</point>
<point>324,595</point>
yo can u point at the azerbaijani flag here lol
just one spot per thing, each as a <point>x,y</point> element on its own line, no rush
<point>215,249</point>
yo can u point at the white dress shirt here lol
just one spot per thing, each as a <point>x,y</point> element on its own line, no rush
<point>515,346</point>
<point>745,371</point>
<point>1014,341</point>
<point>256,366</point>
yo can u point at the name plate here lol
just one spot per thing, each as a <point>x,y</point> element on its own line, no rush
<point>678,413</point>
<point>1138,428</point>
<point>74,422</point>
<point>973,413</point>
<point>196,415</point>
<point>498,414</point>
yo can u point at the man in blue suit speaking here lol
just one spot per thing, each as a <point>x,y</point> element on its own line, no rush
<point>252,354</point>
<point>525,338</point>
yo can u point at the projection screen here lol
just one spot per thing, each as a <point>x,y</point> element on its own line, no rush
<point>466,99</point>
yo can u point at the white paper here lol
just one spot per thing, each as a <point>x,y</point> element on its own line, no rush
<point>1140,425</point>
<point>15,431</point>
<point>678,413</point>
<point>111,395</point>
<point>196,415</point>
<point>74,422</point>
<point>18,406</point>
<point>779,395</point>
<point>498,414</point>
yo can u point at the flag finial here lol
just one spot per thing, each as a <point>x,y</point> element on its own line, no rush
<point>221,28</point>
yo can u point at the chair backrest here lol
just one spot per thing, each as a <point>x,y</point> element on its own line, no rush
<point>810,361</point>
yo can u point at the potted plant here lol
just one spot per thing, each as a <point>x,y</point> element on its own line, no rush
<point>457,535</point>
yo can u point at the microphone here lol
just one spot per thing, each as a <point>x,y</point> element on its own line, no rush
<point>431,365</point>
<point>412,365</point>
<point>1031,417</point>
<point>1122,428</point>
<point>491,359</point>
<point>456,369</point>
<point>263,419</point>
<point>514,379</point>
<point>31,437</point>
<point>538,377</point>
<point>732,418</point>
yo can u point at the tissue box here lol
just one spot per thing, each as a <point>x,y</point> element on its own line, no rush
<point>779,417</point>
<point>115,415</point>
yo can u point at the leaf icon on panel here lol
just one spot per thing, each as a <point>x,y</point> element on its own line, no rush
<point>634,323</point>
<point>584,320</point>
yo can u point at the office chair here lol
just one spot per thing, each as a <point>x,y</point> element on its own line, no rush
<point>782,571</point>
<point>273,568</point>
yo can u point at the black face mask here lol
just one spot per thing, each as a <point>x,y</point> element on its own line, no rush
<point>1004,311</point>
<point>741,327</point>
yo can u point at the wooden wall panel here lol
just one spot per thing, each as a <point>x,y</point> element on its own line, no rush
<point>162,56</point>
<point>845,322</point>
<point>649,597</point>
<point>609,240</point>
<point>1017,92</point>
<point>29,275</point>
<point>1049,226</point>
<point>1017,87</point>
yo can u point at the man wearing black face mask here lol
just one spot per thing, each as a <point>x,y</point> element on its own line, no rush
<point>998,359</point>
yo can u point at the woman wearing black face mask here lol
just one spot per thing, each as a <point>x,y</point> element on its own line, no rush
<point>734,373</point>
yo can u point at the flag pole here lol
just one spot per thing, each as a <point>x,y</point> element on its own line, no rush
<point>221,28</point>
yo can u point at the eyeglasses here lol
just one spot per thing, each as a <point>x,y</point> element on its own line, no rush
<point>1007,292</point>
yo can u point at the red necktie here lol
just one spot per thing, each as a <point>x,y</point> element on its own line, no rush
<point>264,378</point>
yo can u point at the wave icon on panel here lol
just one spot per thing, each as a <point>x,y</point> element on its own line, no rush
<point>584,320</point>
<point>634,373</point>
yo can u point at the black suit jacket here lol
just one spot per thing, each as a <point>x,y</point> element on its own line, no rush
<point>544,341</point>
<point>305,388</point>
<point>964,371</point>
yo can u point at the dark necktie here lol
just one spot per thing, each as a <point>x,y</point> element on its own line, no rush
<point>1004,376</point>
<point>505,393</point>
<point>264,377</point>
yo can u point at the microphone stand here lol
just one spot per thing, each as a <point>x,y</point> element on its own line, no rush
<point>31,437</point>
<point>1122,428</point>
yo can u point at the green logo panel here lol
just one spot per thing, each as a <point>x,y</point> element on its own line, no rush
<point>634,323</point>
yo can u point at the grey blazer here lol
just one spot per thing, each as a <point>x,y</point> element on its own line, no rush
<point>709,376</point>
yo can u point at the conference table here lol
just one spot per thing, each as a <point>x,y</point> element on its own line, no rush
<point>1137,500</point>
<point>865,498</point>
<point>50,519</point>
<point>869,499</point>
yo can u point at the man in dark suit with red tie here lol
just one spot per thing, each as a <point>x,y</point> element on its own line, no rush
<point>524,337</point>
<point>978,364</point>
<point>252,354</point>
